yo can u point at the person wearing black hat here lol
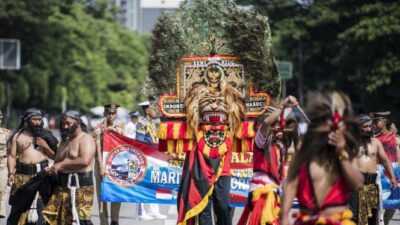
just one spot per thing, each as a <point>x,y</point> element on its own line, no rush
<point>110,114</point>
<point>130,127</point>
<point>365,202</point>
<point>4,134</point>
<point>29,148</point>
<point>390,143</point>
<point>72,199</point>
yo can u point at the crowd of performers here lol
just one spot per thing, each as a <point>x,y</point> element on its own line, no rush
<point>332,174</point>
<point>62,193</point>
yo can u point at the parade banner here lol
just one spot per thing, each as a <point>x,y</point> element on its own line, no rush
<point>137,172</point>
<point>390,197</point>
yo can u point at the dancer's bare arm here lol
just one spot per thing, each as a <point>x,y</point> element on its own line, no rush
<point>11,159</point>
<point>289,191</point>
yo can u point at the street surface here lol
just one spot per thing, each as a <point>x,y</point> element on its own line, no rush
<point>128,215</point>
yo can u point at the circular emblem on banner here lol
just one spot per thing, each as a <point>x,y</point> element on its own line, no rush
<point>126,165</point>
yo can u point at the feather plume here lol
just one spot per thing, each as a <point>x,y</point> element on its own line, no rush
<point>193,27</point>
<point>324,105</point>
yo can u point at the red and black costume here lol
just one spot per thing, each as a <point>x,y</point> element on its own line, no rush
<point>206,176</point>
<point>338,195</point>
<point>264,200</point>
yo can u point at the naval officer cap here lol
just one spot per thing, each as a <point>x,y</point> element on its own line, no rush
<point>144,105</point>
<point>134,114</point>
<point>380,115</point>
<point>111,107</point>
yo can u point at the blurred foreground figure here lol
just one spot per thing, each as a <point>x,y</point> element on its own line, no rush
<point>72,199</point>
<point>321,174</point>
<point>29,148</point>
<point>4,134</point>
<point>272,141</point>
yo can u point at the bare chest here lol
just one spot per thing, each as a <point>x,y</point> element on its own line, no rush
<point>368,152</point>
<point>317,172</point>
<point>25,143</point>
<point>321,180</point>
<point>68,150</point>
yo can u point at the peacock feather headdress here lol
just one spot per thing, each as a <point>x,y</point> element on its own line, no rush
<point>207,27</point>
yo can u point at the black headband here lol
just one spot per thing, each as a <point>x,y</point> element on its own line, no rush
<point>31,112</point>
<point>72,114</point>
<point>363,118</point>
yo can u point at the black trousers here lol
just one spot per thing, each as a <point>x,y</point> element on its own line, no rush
<point>85,222</point>
<point>354,208</point>
<point>16,213</point>
<point>220,201</point>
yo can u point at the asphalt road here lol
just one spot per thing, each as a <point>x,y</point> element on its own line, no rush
<point>128,216</point>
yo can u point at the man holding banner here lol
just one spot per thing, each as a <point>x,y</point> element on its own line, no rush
<point>110,114</point>
<point>365,202</point>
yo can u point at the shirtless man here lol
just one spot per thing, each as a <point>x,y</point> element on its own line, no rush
<point>73,166</point>
<point>28,149</point>
<point>365,203</point>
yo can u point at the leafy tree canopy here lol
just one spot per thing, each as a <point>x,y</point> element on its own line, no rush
<point>73,50</point>
<point>337,44</point>
<point>207,27</point>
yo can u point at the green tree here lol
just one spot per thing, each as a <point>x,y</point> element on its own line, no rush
<point>68,45</point>
<point>336,44</point>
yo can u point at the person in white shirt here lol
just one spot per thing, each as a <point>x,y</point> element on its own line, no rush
<point>146,133</point>
<point>130,127</point>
